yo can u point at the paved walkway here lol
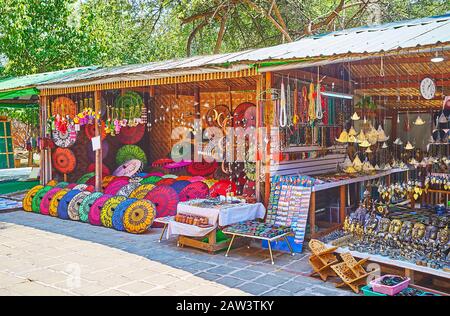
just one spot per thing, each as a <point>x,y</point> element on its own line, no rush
<point>41,255</point>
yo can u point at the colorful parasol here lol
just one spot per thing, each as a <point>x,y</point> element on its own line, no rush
<point>194,190</point>
<point>108,209</point>
<point>202,168</point>
<point>117,218</point>
<point>222,187</point>
<point>96,209</point>
<point>151,180</point>
<point>64,106</point>
<point>196,179</point>
<point>62,185</point>
<point>167,181</point>
<point>63,139</point>
<point>91,153</point>
<point>141,191</point>
<point>161,162</point>
<point>89,130</point>
<point>37,199</point>
<point>106,180</point>
<point>136,179</point>
<point>177,165</point>
<point>52,183</point>
<point>154,174</point>
<point>210,182</point>
<point>180,185</point>
<point>63,206</point>
<point>105,169</point>
<point>70,186</point>
<point>64,160</point>
<point>127,189</point>
<point>165,199</point>
<point>129,152</point>
<point>86,204</point>
<point>115,185</point>
<point>139,216</point>
<point>54,202</point>
<point>184,178</point>
<point>91,181</point>
<point>131,135</point>
<point>170,176</point>
<point>74,205</point>
<point>239,114</point>
<point>128,168</point>
<point>45,203</point>
<point>28,199</point>
<point>84,178</point>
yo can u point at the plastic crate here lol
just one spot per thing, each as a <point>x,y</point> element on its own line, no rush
<point>389,290</point>
<point>367,290</point>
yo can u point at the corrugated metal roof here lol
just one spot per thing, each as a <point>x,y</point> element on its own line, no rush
<point>36,79</point>
<point>361,40</point>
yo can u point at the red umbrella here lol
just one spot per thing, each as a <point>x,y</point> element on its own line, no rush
<point>166,181</point>
<point>131,135</point>
<point>195,190</point>
<point>202,168</point>
<point>116,184</point>
<point>105,169</point>
<point>239,118</point>
<point>64,160</point>
<point>222,188</point>
<point>89,129</point>
<point>165,199</point>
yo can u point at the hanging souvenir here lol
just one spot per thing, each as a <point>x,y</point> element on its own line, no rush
<point>64,106</point>
<point>282,118</point>
<point>63,139</point>
<point>311,104</point>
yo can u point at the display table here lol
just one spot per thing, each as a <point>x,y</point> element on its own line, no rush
<point>342,185</point>
<point>218,216</point>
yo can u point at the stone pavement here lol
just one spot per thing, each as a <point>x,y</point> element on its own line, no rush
<point>42,255</point>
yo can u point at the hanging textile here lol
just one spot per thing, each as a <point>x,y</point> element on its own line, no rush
<point>282,114</point>
<point>311,105</point>
<point>304,105</point>
<point>324,105</point>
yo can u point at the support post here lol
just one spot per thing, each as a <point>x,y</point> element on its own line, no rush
<point>343,203</point>
<point>259,140</point>
<point>269,110</point>
<point>312,215</point>
<point>98,153</point>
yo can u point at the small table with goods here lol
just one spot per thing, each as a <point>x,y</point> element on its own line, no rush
<point>200,218</point>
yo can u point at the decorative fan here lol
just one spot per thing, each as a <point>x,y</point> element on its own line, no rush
<point>63,206</point>
<point>86,204</point>
<point>165,199</point>
<point>202,168</point>
<point>195,190</point>
<point>218,116</point>
<point>54,202</point>
<point>96,208</point>
<point>28,199</point>
<point>108,209</point>
<point>139,216</point>
<point>239,115</point>
<point>141,191</point>
<point>37,199</point>
<point>64,160</point>
<point>127,189</point>
<point>91,153</point>
<point>166,181</point>
<point>117,218</point>
<point>161,162</point>
<point>180,185</point>
<point>128,168</point>
<point>63,139</point>
<point>62,185</point>
<point>131,135</point>
<point>64,106</point>
<point>45,203</point>
<point>151,180</point>
<point>105,169</point>
<point>74,205</point>
<point>84,178</point>
<point>89,130</point>
<point>222,188</point>
<point>115,185</point>
<point>129,152</point>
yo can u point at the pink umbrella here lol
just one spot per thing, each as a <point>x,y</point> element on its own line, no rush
<point>115,185</point>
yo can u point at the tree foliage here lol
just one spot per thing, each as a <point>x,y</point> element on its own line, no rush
<point>45,35</point>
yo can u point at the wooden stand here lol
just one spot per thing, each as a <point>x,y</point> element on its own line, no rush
<point>211,246</point>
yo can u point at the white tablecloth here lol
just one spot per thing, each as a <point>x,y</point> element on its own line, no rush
<point>220,216</point>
